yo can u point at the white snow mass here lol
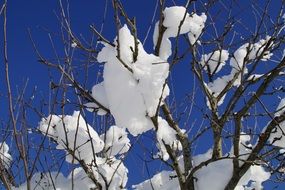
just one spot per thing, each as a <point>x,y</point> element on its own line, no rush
<point>133,97</point>
<point>278,136</point>
<point>72,132</point>
<point>213,62</point>
<point>116,141</point>
<point>193,25</point>
<point>214,175</point>
<point>166,135</point>
<point>99,94</point>
<point>113,171</point>
<point>217,59</point>
<point>5,156</point>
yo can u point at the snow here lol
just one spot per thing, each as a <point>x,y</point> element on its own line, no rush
<point>72,132</point>
<point>214,61</point>
<point>99,94</point>
<point>162,180</point>
<point>215,174</point>
<point>107,168</point>
<point>237,62</point>
<point>211,175</point>
<point>113,170</point>
<point>172,18</point>
<point>116,141</point>
<point>73,44</point>
<point>281,108</point>
<point>244,147</point>
<point>5,157</point>
<point>47,125</point>
<point>254,77</point>
<point>151,72</point>
<point>132,97</point>
<point>49,181</point>
<point>218,85</point>
<point>197,24</point>
<point>256,175</point>
<point>162,153</point>
<point>251,52</point>
<point>277,137</point>
<point>166,134</point>
<point>193,25</point>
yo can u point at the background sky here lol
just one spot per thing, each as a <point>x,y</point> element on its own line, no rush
<point>41,18</point>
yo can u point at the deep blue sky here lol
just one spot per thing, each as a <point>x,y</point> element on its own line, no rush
<point>40,17</point>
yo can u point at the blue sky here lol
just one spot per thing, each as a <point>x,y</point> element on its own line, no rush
<point>40,17</point>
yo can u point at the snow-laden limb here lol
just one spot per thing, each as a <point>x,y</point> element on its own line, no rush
<point>116,141</point>
<point>165,180</point>
<point>244,54</point>
<point>99,94</point>
<point>214,175</point>
<point>165,132</point>
<point>218,85</point>
<point>254,77</point>
<point>5,156</point>
<point>73,133</point>
<point>253,178</point>
<point>197,23</point>
<point>193,25</point>
<point>55,180</point>
<point>132,97</point>
<point>114,172</point>
<point>251,52</point>
<point>109,172</point>
<point>166,135</point>
<point>244,147</point>
<point>217,174</point>
<point>213,62</point>
<point>281,108</point>
<point>278,137</point>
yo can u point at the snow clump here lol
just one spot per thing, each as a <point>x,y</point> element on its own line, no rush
<point>72,132</point>
<point>277,137</point>
<point>5,156</point>
<point>216,174</point>
<point>244,54</point>
<point>133,88</point>
<point>166,136</point>
<point>192,24</point>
